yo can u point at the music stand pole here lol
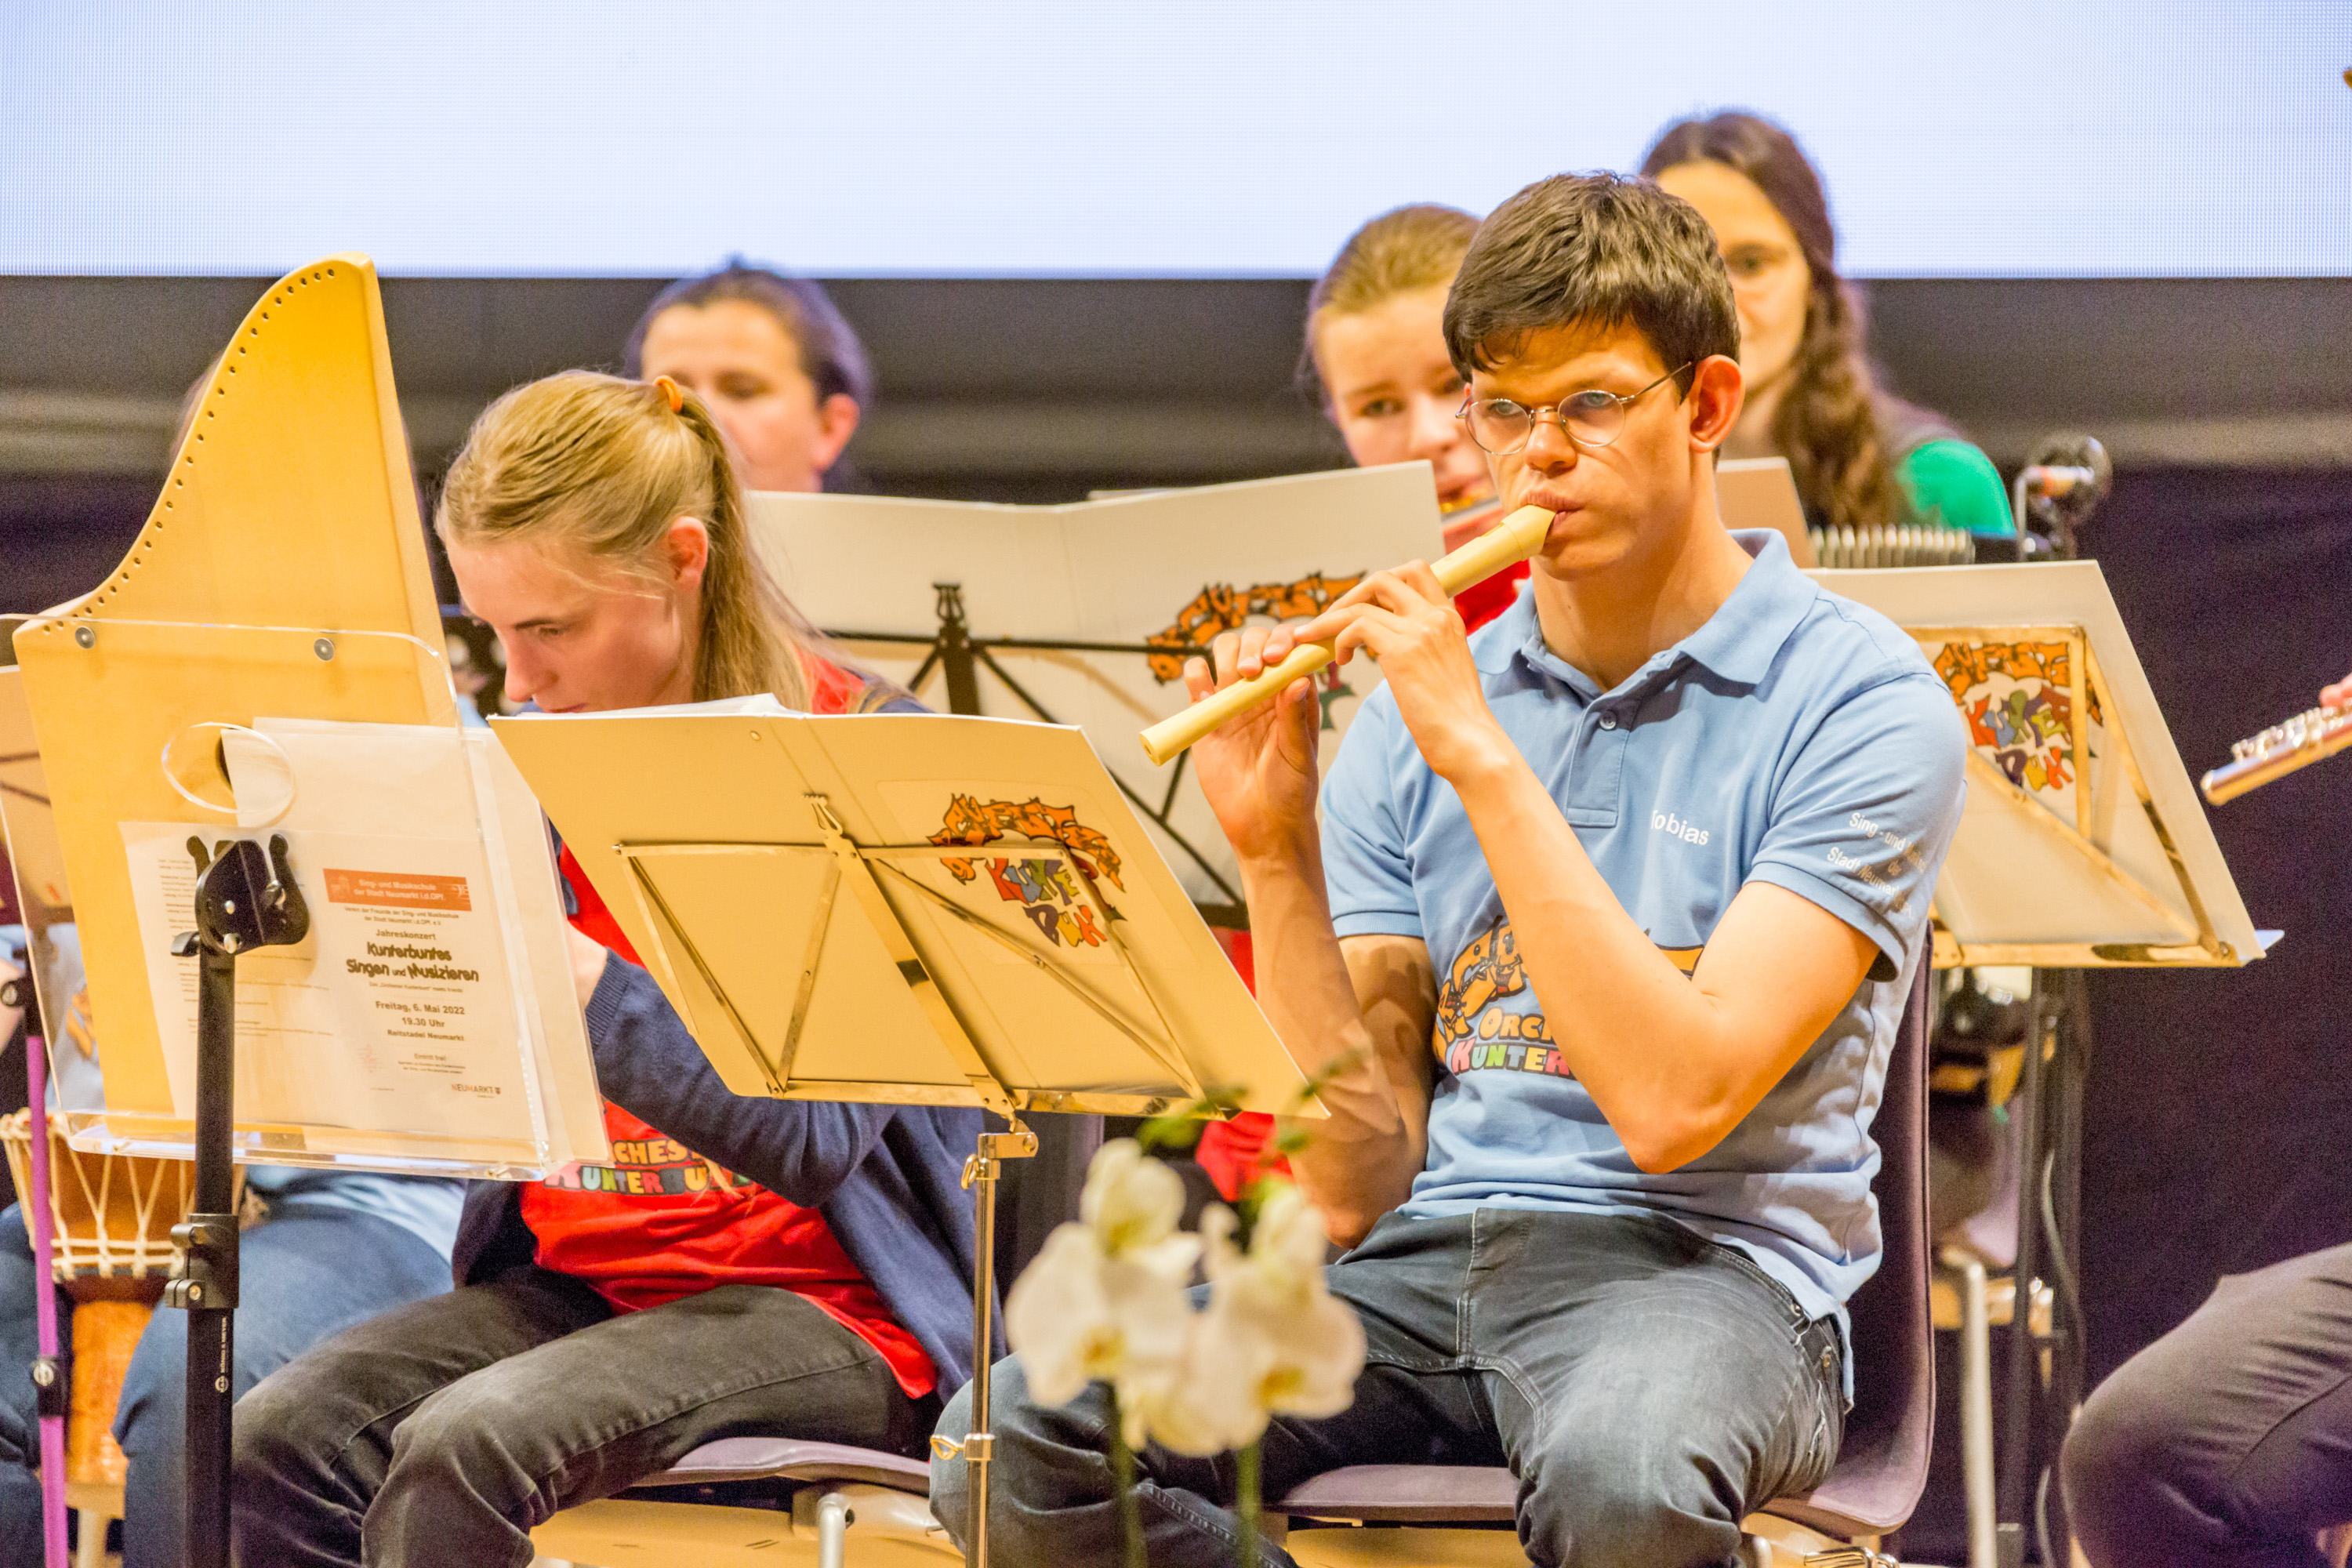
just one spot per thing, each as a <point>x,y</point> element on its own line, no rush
<point>979,1173</point>
<point>245,900</point>
<point>2019,1406</point>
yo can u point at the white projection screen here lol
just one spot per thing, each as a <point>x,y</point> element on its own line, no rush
<point>2044,138</point>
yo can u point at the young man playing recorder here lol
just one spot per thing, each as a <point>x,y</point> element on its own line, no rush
<point>1611,916</point>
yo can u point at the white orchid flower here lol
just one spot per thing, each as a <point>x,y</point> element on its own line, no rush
<point>1131,1201</point>
<point>1273,1342</point>
<point>1105,1298</point>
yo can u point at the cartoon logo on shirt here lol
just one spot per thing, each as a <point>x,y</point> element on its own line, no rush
<point>2019,710</point>
<point>1474,1031</point>
<point>648,1168</point>
<point>1047,890</point>
<point>1221,607</point>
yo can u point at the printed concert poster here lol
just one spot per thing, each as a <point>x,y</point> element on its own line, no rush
<point>394,1012</point>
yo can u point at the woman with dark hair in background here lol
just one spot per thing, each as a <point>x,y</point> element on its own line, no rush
<point>774,363</point>
<point>1862,457</point>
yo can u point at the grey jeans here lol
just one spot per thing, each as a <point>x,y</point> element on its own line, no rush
<point>1647,1386</point>
<point>2227,1443</point>
<point>442,1432</point>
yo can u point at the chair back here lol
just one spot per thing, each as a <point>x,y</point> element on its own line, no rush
<point>1037,1194</point>
<point>1881,1466</point>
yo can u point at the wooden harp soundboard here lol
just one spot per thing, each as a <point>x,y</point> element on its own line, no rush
<point>290,510</point>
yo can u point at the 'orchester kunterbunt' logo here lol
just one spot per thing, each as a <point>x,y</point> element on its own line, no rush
<point>1476,1031</point>
<point>1046,890</point>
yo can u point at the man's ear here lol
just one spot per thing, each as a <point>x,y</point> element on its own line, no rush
<point>837,422</point>
<point>1716,395</point>
<point>686,546</point>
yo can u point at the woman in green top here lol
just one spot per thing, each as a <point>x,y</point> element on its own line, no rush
<point>1862,457</point>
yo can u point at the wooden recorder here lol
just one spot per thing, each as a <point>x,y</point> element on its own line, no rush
<point>2278,751</point>
<point>1511,542</point>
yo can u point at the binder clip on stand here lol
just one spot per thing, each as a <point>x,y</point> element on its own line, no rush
<point>245,898</point>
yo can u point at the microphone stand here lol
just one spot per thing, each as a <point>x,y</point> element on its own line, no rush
<point>245,900</point>
<point>2061,484</point>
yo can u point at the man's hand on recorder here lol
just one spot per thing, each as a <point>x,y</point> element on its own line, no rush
<point>2339,695</point>
<point>1403,619</point>
<point>1258,768</point>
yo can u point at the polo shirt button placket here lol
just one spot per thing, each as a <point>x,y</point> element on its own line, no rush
<point>1608,719</point>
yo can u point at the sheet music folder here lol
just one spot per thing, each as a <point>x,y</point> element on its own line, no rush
<point>2083,843</point>
<point>909,909</point>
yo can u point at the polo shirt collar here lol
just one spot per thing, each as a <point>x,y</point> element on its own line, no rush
<point>1745,635</point>
<point>1738,642</point>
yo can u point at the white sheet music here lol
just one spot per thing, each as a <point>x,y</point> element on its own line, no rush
<point>431,994</point>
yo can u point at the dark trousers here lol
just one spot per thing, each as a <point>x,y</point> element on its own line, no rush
<point>1647,1387</point>
<point>441,1433</point>
<point>306,1273</point>
<point>2229,1439</point>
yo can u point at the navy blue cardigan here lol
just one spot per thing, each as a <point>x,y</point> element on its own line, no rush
<point>888,1178</point>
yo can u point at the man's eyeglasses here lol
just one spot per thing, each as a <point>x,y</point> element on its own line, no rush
<point>1591,418</point>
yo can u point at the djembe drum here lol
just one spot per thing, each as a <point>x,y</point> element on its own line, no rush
<point>113,1215</point>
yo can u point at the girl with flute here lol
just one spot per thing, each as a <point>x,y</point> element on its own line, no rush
<point>787,1267</point>
<point>2228,1442</point>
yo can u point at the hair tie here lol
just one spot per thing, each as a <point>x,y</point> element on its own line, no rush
<point>672,393</point>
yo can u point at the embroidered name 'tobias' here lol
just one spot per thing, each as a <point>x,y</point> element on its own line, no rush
<point>1667,823</point>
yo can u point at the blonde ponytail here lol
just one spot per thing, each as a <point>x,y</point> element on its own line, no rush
<point>604,466</point>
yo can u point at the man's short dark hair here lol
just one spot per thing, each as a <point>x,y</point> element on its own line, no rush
<point>1602,249</point>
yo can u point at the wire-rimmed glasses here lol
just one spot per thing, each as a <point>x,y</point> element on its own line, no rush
<point>1591,418</point>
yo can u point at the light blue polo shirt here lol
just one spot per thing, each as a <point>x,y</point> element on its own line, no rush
<point>1796,738</point>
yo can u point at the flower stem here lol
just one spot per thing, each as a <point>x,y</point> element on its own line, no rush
<point>1122,1472</point>
<point>1246,1486</point>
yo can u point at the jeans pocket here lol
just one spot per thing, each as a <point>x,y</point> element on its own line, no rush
<point>1791,1314</point>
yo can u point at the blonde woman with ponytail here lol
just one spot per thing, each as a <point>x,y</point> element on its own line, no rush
<point>596,526</point>
<point>744,1266</point>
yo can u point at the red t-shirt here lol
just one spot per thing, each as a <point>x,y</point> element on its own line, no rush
<point>1237,1151</point>
<point>660,1222</point>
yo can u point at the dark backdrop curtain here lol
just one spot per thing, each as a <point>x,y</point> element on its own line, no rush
<point>2219,1107</point>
